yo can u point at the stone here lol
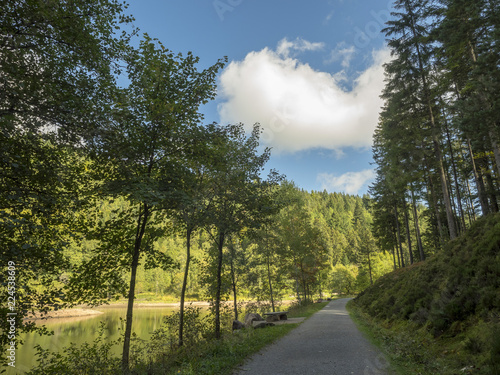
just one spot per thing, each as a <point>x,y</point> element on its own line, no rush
<point>251,317</point>
<point>237,325</point>
<point>272,318</point>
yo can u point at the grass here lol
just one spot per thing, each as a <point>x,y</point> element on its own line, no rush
<point>441,316</point>
<point>223,356</point>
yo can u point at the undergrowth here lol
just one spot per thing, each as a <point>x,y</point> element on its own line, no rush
<point>443,315</point>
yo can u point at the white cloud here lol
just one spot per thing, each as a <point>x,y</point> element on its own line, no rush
<point>285,46</point>
<point>350,182</point>
<point>343,53</point>
<point>299,107</point>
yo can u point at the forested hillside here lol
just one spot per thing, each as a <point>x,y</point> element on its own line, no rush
<point>320,243</point>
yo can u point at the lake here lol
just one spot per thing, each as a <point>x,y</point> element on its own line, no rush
<point>81,329</point>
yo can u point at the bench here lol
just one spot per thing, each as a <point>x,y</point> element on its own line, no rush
<point>275,316</point>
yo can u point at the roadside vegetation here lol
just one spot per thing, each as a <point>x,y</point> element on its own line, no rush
<point>201,353</point>
<point>441,316</point>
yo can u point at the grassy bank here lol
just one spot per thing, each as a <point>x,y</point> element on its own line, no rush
<point>441,316</point>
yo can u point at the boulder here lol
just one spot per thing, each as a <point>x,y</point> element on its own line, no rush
<point>237,325</point>
<point>272,318</point>
<point>251,317</point>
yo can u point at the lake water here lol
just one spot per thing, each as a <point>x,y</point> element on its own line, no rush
<point>81,329</point>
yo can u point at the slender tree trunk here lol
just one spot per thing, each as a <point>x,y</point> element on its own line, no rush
<point>184,286</point>
<point>408,233</point>
<point>455,174</point>
<point>399,235</point>
<point>417,227</point>
<point>395,250</point>
<point>218,334</point>
<point>492,193</point>
<point>141,228</point>
<point>483,201</point>
<point>269,280</point>
<point>434,203</point>
<point>233,280</point>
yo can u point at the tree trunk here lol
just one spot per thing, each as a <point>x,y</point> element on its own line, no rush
<point>417,227</point>
<point>408,234</point>
<point>455,175</point>
<point>399,235</point>
<point>141,228</point>
<point>481,193</point>
<point>233,280</point>
<point>184,286</point>
<point>270,281</point>
<point>218,334</point>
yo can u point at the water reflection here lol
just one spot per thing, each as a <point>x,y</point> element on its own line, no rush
<point>84,329</point>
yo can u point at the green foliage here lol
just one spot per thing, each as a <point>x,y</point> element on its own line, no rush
<point>453,296</point>
<point>343,279</point>
<point>95,358</point>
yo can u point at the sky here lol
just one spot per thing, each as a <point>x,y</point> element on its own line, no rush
<point>310,72</point>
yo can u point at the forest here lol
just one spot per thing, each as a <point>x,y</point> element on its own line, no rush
<point>111,189</point>
<point>437,142</point>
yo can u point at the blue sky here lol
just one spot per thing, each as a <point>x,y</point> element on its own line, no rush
<point>310,72</point>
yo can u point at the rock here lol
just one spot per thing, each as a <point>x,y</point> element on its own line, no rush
<point>272,318</point>
<point>251,317</point>
<point>263,325</point>
<point>237,325</point>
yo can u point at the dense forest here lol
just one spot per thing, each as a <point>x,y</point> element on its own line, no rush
<point>437,142</point>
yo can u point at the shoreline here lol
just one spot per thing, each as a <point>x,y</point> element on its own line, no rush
<point>89,311</point>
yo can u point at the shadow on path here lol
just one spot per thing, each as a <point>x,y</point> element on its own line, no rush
<point>326,343</point>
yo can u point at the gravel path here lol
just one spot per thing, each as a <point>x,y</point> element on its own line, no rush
<point>327,343</point>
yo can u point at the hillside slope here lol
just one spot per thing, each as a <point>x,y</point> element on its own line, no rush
<point>453,298</point>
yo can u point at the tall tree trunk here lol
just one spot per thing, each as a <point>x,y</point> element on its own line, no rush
<point>434,202</point>
<point>233,279</point>
<point>184,286</point>
<point>481,193</point>
<point>408,233</point>
<point>417,226</point>
<point>141,228</point>
<point>395,250</point>
<point>218,333</point>
<point>399,235</point>
<point>455,174</point>
<point>270,280</point>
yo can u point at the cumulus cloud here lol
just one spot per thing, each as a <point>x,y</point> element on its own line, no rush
<point>300,107</point>
<point>349,183</point>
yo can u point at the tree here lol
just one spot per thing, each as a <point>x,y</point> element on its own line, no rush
<point>154,129</point>
<point>57,65</point>
<point>241,199</point>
